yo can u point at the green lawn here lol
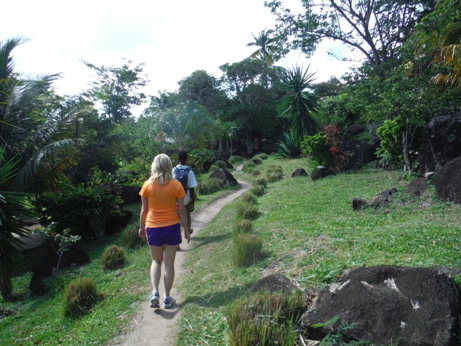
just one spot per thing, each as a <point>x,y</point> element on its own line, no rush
<point>310,234</point>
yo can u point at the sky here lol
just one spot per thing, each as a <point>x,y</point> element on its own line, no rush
<point>173,38</point>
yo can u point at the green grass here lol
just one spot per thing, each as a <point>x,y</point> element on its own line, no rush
<point>310,234</point>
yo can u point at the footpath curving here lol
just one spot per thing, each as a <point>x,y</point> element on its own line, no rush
<point>158,327</point>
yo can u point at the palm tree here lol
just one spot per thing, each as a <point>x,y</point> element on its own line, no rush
<point>12,209</point>
<point>185,126</point>
<point>298,105</point>
<point>266,49</point>
<point>26,127</point>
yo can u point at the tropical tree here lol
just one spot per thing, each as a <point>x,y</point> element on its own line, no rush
<point>298,104</point>
<point>375,29</point>
<point>13,209</point>
<point>267,49</point>
<point>203,89</point>
<point>186,126</point>
<point>116,89</point>
<point>27,126</point>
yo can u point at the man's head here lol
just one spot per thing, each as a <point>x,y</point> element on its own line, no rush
<point>182,157</point>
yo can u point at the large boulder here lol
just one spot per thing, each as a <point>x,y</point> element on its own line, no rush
<point>447,181</point>
<point>441,143</point>
<point>321,172</point>
<point>416,187</point>
<point>274,283</point>
<point>49,261</point>
<point>299,172</point>
<point>359,152</point>
<point>387,305</point>
<point>225,176</point>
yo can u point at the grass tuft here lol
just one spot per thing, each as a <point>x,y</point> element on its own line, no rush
<point>80,297</point>
<point>246,249</point>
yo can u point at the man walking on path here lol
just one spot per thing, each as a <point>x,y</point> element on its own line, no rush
<point>186,176</point>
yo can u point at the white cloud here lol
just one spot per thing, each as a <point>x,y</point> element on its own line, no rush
<point>173,38</point>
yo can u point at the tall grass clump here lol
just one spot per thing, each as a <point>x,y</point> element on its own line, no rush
<point>260,182</point>
<point>246,211</point>
<point>246,249</point>
<point>257,190</point>
<point>256,160</point>
<point>248,167</point>
<point>262,156</point>
<point>131,239</point>
<point>265,318</point>
<point>235,159</point>
<point>113,257</point>
<point>80,296</point>
<point>243,226</point>
<point>210,186</point>
<point>249,198</point>
<point>274,173</point>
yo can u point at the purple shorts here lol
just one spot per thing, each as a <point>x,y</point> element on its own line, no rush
<point>169,235</point>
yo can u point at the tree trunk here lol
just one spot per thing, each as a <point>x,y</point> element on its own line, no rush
<point>406,156</point>
<point>6,286</point>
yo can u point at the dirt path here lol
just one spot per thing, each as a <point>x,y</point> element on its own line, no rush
<point>153,327</point>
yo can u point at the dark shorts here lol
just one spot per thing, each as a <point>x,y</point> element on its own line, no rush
<point>169,235</point>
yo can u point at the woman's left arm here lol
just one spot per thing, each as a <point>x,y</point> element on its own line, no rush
<point>183,217</point>
<point>142,217</point>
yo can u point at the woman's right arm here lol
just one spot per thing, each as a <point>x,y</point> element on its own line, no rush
<point>142,217</point>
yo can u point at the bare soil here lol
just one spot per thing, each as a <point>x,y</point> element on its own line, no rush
<point>153,327</point>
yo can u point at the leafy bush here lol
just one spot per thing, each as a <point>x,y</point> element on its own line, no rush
<point>197,159</point>
<point>247,211</point>
<point>265,316</point>
<point>210,186</point>
<point>317,148</point>
<point>390,135</point>
<point>257,190</point>
<point>213,168</point>
<point>243,226</point>
<point>249,198</point>
<point>246,249</point>
<point>82,210</point>
<point>80,296</point>
<point>113,257</point>
<point>130,238</point>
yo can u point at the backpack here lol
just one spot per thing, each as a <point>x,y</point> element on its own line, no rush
<point>182,175</point>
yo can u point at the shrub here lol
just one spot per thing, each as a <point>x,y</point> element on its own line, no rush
<point>113,257</point>
<point>210,186</point>
<point>197,159</point>
<point>288,146</point>
<point>130,237</point>
<point>265,316</point>
<point>220,164</point>
<point>246,249</point>
<point>82,210</point>
<point>257,190</point>
<point>247,211</point>
<point>213,168</point>
<point>317,148</point>
<point>80,296</point>
<point>249,198</point>
<point>243,226</point>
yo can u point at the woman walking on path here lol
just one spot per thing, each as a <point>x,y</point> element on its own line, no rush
<point>162,209</point>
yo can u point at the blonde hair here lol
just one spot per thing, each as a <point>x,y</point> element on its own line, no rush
<point>161,169</point>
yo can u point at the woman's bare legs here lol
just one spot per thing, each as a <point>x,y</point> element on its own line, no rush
<point>167,254</point>
<point>156,266</point>
<point>168,277</point>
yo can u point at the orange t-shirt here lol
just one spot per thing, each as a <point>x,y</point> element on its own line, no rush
<point>161,200</point>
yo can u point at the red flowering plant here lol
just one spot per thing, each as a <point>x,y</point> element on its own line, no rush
<point>333,136</point>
